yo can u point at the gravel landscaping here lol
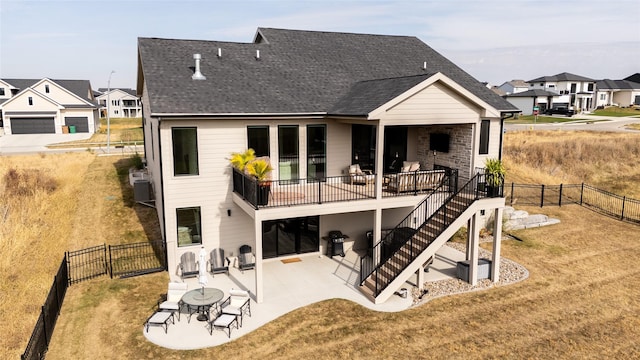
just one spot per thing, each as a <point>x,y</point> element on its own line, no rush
<point>510,272</point>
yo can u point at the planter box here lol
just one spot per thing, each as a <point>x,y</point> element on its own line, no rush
<point>484,269</point>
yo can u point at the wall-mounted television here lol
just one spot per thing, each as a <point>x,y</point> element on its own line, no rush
<point>439,142</point>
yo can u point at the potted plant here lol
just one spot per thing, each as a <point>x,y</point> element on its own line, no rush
<point>261,170</point>
<point>494,174</point>
<point>239,161</point>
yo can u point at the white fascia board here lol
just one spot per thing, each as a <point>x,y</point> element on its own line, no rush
<point>490,111</point>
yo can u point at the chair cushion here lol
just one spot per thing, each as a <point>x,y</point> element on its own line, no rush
<point>169,305</point>
<point>414,167</point>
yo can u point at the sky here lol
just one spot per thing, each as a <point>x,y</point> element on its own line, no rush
<point>493,40</point>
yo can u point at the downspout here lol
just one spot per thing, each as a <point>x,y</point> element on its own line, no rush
<point>504,117</point>
<point>164,210</point>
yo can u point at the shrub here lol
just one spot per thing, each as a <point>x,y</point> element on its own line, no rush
<point>27,182</point>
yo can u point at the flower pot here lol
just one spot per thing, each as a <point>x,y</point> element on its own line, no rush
<point>263,194</point>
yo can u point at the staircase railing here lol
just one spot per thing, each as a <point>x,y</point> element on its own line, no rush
<point>439,210</point>
<point>406,227</point>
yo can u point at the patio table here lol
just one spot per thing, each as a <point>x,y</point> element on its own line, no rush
<point>201,300</point>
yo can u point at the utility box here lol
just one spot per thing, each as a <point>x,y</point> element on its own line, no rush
<point>142,191</point>
<point>484,269</point>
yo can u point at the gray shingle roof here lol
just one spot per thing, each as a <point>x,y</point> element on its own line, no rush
<point>298,72</point>
<point>565,76</point>
<point>365,96</point>
<point>533,93</point>
<point>609,84</point>
<point>81,88</point>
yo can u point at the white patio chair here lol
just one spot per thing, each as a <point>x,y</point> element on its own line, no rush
<point>238,303</point>
<point>173,303</point>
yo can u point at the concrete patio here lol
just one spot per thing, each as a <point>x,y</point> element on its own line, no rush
<point>288,287</point>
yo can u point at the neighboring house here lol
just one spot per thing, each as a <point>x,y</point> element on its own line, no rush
<point>514,87</point>
<point>573,91</point>
<point>45,106</point>
<point>123,103</point>
<point>617,93</point>
<point>314,103</point>
<point>527,100</point>
<point>633,78</point>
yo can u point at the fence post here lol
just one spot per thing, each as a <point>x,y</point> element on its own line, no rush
<point>66,260</point>
<point>512,189</point>
<point>320,190</point>
<point>542,196</point>
<point>581,192</point>
<point>624,199</point>
<point>110,267</point>
<point>560,198</point>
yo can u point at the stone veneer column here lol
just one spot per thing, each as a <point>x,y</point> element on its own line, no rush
<point>460,148</point>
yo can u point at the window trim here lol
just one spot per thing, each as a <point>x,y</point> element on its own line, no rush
<point>173,146</point>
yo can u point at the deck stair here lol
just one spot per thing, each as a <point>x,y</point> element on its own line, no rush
<point>405,248</point>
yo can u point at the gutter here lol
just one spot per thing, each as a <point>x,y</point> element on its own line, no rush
<point>237,115</point>
<point>504,116</point>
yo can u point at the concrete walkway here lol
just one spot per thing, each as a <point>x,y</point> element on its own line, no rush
<point>288,287</point>
<point>38,143</point>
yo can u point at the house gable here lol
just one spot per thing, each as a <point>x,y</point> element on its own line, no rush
<point>437,99</point>
<point>20,102</point>
<point>59,93</point>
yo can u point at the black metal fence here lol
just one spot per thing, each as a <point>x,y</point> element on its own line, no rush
<point>116,260</point>
<point>41,335</point>
<point>605,202</point>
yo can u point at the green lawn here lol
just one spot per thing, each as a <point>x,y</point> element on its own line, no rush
<point>530,119</point>
<point>618,112</point>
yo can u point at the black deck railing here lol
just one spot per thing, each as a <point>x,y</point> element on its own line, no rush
<point>439,210</point>
<point>277,193</point>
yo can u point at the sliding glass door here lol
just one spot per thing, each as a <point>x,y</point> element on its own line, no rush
<point>290,236</point>
<point>288,154</point>
<point>316,152</point>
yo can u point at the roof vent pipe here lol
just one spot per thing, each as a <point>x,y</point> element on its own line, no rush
<point>257,54</point>
<point>424,66</point>
<point>219,52</point>
<point>197,75</point>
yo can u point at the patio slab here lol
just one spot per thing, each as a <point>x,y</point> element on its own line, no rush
<point>288,287</point>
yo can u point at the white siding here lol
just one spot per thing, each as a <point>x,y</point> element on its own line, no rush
<point>436,104</point>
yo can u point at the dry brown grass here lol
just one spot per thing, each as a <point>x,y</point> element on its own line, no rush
<point>87,206</point>
<point>610,161</point>
<point>581,301</point>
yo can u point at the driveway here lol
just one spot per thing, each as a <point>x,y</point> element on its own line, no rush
<point>35,143</point>
<point>601,123</point>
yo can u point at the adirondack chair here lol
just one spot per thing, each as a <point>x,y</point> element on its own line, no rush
<point>217,262</point>
<point>246,260</point>
<point>188,265</point>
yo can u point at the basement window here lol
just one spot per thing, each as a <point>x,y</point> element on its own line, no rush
<point>189,229</point>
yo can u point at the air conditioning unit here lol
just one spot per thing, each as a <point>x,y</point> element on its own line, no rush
<point>142,191</point>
